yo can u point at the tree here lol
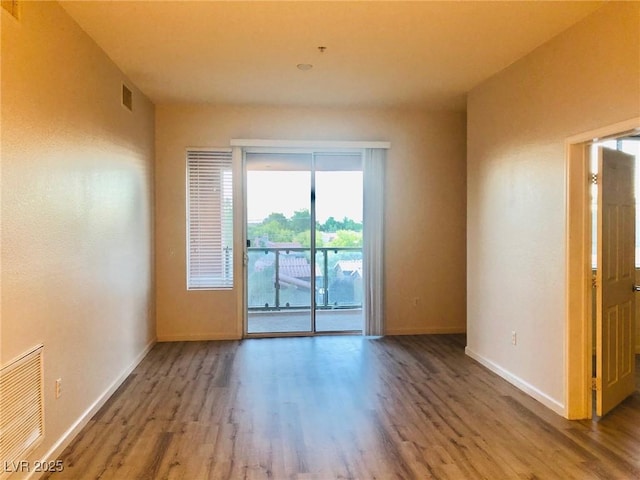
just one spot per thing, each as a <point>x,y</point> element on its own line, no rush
<point>348,224</point>
<point>280,219</point>
<point>331,225</point>
<point>347,238</point>
<point>300,220</point>
<point>269,230</point>
<point>278,228</point>
<point>304,238</point>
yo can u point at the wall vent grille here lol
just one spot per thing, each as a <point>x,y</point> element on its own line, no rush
<point>22,411</point>
<point>127,97</point>
<point>13,7</point>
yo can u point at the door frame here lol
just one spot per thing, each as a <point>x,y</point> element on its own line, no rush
<point>245,274</point>
<point>578,332</point>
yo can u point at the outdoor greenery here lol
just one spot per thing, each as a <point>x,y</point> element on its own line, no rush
<point>333,288</point>
<point>332,233</point>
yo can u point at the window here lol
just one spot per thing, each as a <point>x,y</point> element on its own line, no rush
<point>209,219</point>
<point>630,145</point>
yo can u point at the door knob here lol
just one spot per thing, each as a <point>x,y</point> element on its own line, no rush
<point>636,288</point>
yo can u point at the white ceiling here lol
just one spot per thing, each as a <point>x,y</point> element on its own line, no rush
<point>378,53</point>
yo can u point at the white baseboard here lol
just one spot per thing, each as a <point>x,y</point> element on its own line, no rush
<point>425,331</point>
<point>203,337</point>
<point>68,436</point>
<point>198,337</point>
<point>516,381</point>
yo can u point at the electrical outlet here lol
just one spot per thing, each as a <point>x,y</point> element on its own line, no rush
<point>58,387</point>
<point>514,337</point>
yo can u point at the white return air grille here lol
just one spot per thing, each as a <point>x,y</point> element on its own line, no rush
<point>21,406</point>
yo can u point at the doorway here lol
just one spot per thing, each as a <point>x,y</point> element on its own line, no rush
<point>580,336</point>
<point>304,239</point>
<point>615,264</point>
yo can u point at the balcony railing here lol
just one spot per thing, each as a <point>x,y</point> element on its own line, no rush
<point>280,278</point>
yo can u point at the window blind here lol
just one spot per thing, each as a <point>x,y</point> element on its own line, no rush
<point>209,219</point>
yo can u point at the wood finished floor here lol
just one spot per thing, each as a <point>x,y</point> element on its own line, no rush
<point>340,408</point>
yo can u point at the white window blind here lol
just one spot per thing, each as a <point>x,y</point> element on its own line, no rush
<point>209,219</point>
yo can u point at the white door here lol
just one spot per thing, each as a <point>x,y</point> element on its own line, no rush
<point>615,324</point>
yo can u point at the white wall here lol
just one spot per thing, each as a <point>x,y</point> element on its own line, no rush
<point>586,78</point>
<point>77,198</point>
<point>425,209</point>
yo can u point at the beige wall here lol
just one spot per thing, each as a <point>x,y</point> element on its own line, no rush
<point>586,78</point>
<point>77,197</point>
<point>425,214</point>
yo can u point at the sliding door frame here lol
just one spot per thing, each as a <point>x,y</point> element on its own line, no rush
<point>240,148</point>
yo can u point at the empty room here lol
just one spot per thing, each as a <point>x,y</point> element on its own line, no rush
<point>319,240</point>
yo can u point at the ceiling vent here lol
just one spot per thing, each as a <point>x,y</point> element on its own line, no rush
<point>127,98</point>
<point>13,7</point>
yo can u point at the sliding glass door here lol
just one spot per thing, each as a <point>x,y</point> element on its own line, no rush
<point>279,270</point>
<point>304,243</point>
<point>338,208</point>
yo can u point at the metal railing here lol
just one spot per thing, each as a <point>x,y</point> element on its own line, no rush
<point>280,278</point>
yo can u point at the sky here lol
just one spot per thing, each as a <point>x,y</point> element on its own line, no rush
<point>338,194</point>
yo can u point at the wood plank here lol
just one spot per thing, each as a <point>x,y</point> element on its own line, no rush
<point>340,407</point>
